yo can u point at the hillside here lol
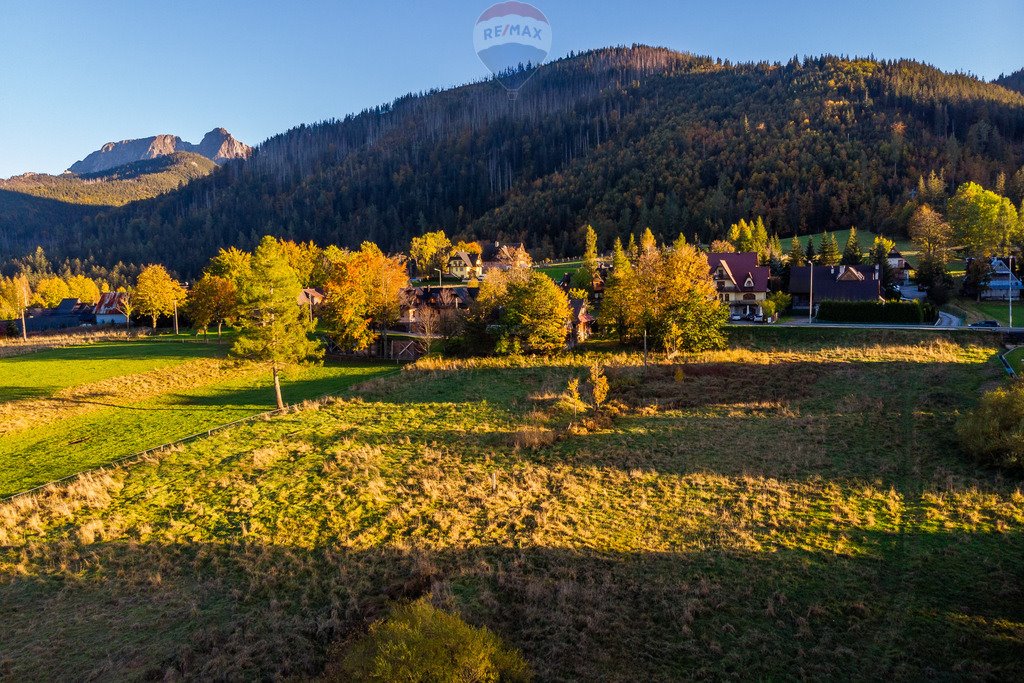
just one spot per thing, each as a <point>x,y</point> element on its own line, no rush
<point>794,507</point>
<point>623,138</point>
<point>1014,81</point>
<point>115,186</point>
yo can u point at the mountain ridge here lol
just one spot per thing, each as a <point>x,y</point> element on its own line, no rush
<point>218,146</point>
<point>623,138</point>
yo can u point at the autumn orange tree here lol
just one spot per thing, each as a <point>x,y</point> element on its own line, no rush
<point>213,299</point>
<point>362,294</point>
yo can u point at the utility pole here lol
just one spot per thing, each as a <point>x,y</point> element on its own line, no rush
<point>175,318</point>
<point>1009,287</point>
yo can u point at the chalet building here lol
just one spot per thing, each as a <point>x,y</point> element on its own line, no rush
<point>496,255</point>
<point>581,323</point>
<point>465,266</point>
<point>68,313</point>
<point>741,283</point>
<point>310,299</point>
<point>899,266</point>
<point>834,283</point>
<point>415,299</point>
<point>108,310</point>
<point>1003,285</point>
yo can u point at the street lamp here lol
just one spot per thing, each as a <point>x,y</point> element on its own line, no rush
<point>1009,289</point>
<point>438,276</point>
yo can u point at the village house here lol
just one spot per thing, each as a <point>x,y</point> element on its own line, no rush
<point>465,266</point>
<point>109,309</point>
<point>899,266</point>
<point>741,283</point>
<point>581,323</point>
<point>309,299</point>
<point>834,283</point>
<point>68,313</point>
<point>1003,285</point>
<point>498,256</point>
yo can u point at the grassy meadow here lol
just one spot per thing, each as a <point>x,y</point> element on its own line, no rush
<point>794,507</point>
<point>1016,360</point>
<point>68,409</point>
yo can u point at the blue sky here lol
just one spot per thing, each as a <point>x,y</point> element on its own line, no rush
<point>74,75</point>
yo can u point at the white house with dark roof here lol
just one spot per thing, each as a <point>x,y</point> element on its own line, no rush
<point>741,283</point>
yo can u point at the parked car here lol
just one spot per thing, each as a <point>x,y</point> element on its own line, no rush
<point>986,323</point>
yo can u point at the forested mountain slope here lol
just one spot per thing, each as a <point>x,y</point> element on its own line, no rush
<point>117,186</point>
<point>623,138</point>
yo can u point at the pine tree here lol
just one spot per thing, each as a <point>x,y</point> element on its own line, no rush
<point>797,256</point>
<point>585,275</point>
<point>619,307</point>
<point>830,255</point>
<point>274,329</point>
<point>853,253</point>
<point>811,251</point>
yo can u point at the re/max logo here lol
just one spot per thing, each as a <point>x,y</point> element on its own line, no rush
<point>512,30</point>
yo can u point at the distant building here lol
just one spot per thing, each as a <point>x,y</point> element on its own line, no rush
<point>742,284</point>
<point>495,255</point>
<point>68,313</point>
<point>834,283</point>
<point>581,322</point>
<point>899,266</point>
<point>109,309</point>
<point>1003,285</point>
<point>465,266</point>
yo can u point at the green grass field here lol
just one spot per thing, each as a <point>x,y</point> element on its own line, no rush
<point>66,410</point>
<point>795,507</point>
<point>991,310</point>
<point>1016,360</point>
<point>557,271</point>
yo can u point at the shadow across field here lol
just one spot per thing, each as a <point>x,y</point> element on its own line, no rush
<point>920,606</point>
<point>788,420</point>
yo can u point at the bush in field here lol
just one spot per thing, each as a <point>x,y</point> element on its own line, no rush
<point>994,431</point>
<point>422,643</point>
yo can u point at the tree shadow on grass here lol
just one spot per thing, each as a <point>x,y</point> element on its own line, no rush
<point>919,606</point>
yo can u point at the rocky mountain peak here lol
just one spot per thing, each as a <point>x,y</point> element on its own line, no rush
<point>218,145</point>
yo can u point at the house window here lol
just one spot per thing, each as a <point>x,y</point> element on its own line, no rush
<point>749,297</point>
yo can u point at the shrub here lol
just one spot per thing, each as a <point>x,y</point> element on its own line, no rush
<point>994,431</point>
<point>421,643</point>
<point>897,312</point>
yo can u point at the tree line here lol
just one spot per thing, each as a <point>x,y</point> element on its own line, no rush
<point>623,139</point>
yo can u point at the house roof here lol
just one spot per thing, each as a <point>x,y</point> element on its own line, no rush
<point>462,256</point>
<point>836,283</point>
<point>579,311</point>
<point>109,304</point>
<point>740,267</point>
<point>309,295</point>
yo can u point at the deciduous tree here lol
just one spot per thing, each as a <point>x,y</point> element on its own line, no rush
<point>50,292</point>
<point>157,293</point>
<point>430,251</point>
<point>213,299</point>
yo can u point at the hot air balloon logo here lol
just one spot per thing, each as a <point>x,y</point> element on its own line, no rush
<point>512,39</point>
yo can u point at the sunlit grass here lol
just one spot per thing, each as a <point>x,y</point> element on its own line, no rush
<point>795,505</point>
